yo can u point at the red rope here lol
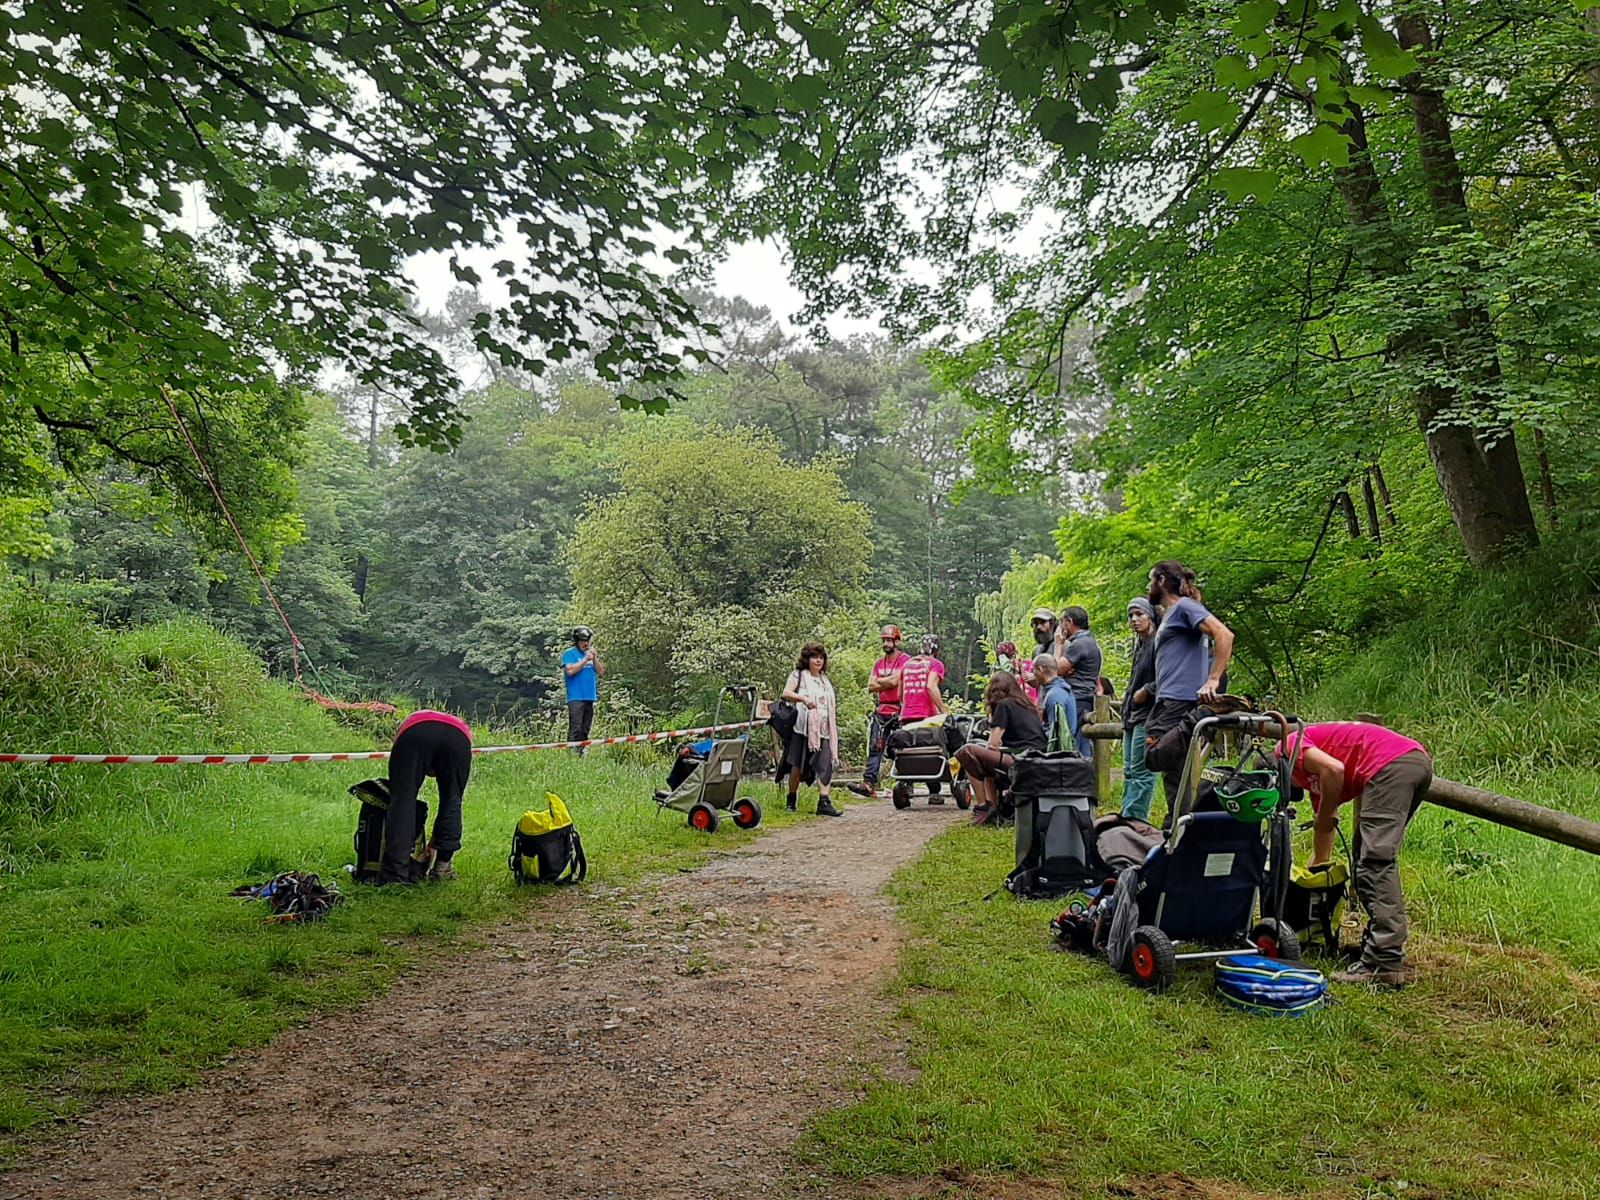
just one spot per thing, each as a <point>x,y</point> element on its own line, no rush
<point>294,640</point>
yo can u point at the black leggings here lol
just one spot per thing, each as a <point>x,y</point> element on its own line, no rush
<point>427,748</point>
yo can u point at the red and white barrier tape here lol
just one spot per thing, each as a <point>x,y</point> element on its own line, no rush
<point>216,760</point>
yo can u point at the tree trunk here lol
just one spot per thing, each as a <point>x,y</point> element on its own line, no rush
<point>1352,524</point>
<point>1547,483</point>
<point>1371,499</point>
<point>1383,490</point>
<point>1475,336</point>
<point>1470,488</point>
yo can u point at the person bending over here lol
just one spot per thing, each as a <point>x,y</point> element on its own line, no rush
<point>427,743</point>
<point>1390,774</point>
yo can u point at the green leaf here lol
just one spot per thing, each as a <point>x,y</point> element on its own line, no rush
<point>1209,111</point>
<point>1241,182</point>
<point>1253,17</point>
<point>1233,70</point>
<point>1324,144</point>
<point>1383,51</point>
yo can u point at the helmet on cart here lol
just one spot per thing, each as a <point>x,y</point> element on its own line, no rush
<point>1249,795</point>
<point>582,634</point>
<point>930,645</point>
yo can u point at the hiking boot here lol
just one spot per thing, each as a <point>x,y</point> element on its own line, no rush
<point>935,798</point>
<point>864,788</point>
<point>1377,975</point>
<point>441,870</point>
<point>825,808</point>
<point>792,804</point>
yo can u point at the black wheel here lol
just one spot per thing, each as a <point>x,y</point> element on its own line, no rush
<point>1153,962</point>
<point>902,795</point>
<point>703,817</point>
<point>746,813</point>
<point>1276,940</point>
<point>962,791</point>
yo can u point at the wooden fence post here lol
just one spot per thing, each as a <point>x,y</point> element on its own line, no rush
<point>1102,750</point>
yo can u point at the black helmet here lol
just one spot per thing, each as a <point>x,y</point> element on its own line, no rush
<point>930,645</point>
<point>582,634</point>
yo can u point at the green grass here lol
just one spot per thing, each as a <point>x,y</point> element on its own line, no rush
<point>124,963</point>
<point>1035,1062</point>
<point>1481,1080</point>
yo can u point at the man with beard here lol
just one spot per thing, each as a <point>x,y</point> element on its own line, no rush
<point>1187,675</point>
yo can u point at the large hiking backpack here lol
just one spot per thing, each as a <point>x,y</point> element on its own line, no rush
<point>1054,796</point>
<point>371,829</point>
<point>1314,906</point>
<point>546,848</point>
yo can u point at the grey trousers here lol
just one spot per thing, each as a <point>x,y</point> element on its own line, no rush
<point>1387,806</point>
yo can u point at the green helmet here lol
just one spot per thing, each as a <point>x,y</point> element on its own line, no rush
<point>1249,795</point>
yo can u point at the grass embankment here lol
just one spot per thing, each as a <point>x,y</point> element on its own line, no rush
<point>124,964</point>
<point>1043,1073</point>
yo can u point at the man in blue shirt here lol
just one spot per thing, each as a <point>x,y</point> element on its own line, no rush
<point>1057,700</point>
<point>582,669</point>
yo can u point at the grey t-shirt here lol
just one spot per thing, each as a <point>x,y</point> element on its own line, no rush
<point>1183,661</point>
<point>1083,652</point>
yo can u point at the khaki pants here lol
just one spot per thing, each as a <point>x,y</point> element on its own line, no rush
<point>1387,806</point>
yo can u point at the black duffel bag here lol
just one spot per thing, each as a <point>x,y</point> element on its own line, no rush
<point>927,737</point>
<point>1035,773</point>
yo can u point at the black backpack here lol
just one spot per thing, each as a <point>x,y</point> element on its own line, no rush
<point>545,846</point>
<point>1057,849</point>
<point>371,827</point>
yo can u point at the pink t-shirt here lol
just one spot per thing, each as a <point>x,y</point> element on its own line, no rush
<point>1026,680</point>
<point>1363,749</point>
<point>889,701</point>
<point>918,703</point>
<point>429,714</point>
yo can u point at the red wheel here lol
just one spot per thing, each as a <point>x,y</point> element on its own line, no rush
<point>746,813</point>
<point>703,817</point>
<point>1144,964</point>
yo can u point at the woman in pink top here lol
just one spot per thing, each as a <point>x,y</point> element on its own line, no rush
<point>1338,762</point>
<point>920,681</point>
<point>427,743</point>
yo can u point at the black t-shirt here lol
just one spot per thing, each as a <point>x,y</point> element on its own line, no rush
<point>1023,730</point>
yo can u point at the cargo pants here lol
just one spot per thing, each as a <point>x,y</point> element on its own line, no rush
<point>1387,806</point>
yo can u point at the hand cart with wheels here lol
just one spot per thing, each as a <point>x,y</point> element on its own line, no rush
<point>1216,884</point>
<point>919,754</point>
<point>711,787</point>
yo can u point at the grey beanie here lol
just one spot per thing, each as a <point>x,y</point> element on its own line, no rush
<point>1143,605</point>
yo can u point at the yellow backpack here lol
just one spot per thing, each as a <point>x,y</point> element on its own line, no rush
<point>545,846</point>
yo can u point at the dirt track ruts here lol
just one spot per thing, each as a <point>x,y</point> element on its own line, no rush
<point>660,1041</point>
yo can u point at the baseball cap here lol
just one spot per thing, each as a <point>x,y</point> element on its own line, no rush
<point>1042,614</point>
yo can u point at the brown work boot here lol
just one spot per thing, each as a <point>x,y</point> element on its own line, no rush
<point>1377,975</point>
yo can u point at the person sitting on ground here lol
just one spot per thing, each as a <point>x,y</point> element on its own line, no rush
<point>1341,761</point>
<point>1056,698</point>
<point>884,685</point>
<point>427,743</point>
<point>814,745</point>
<point>1138,781</point>
<point>1186,675</point>
<point>1078,661</point>
<point>1014,726</point>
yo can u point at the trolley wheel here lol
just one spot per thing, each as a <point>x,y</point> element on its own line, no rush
<point>1276,940</point>
<point>902,795</point>
<point>1153,962</point>
<point>703,817</point>
<point>746,813</point>
<point>962,791</point>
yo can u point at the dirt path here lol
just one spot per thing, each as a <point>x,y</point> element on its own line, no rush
<point>660,1042</point>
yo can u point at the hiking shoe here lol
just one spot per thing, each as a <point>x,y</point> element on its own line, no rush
<point>825,808</point>
<point>1376,975</point>
<point>935,798</point>
<point>791,804</point>
<point>661,794</point>
<point>864,788</point>
<point>442,870</point>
